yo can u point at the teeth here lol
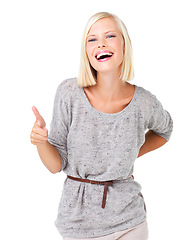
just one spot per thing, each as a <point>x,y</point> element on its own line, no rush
<point>104,54</point>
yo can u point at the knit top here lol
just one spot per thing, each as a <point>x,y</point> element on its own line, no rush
<point>102,146</point>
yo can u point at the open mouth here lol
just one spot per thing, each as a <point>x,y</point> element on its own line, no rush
<point>103,56</point>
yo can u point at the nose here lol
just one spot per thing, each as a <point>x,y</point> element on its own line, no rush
<point>101,44</point>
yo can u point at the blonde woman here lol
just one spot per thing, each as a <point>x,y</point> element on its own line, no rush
<point>99,128</point>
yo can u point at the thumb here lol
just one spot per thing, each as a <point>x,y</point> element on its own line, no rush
<point>39,118</point>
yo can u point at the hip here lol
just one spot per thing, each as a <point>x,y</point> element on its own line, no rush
<point>139,232</point>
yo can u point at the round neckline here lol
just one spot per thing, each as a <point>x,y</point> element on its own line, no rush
<point>104,113</point>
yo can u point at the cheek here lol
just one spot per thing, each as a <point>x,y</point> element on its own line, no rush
<point>121,48</point>
<point>89,51</point>
<point>121,51</point>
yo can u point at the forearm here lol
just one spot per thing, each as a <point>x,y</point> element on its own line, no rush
<point>50,157</point>
<point>152,142</point>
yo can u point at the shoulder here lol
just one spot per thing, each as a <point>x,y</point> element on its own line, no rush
<point>145,94</point>
<point>68,84</point>
<point>145,98</point>
<point>67,88</point>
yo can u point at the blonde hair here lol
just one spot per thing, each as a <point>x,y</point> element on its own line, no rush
<point>87,74</point>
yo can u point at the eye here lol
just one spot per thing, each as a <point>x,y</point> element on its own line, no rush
<point>92,40</point>
<point>110,36</point>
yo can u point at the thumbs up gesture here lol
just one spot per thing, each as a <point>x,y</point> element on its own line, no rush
<point>39,133</point>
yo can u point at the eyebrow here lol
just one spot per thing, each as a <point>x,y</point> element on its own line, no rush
<point>92,35</point>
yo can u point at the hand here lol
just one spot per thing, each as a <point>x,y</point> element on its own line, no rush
<point>39,134</point>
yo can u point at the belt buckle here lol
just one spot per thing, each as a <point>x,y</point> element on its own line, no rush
<point>97,182</point>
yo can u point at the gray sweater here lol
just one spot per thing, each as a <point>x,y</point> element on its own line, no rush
<point>102,146</point>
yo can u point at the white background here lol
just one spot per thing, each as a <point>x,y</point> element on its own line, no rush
<point>40,47</point>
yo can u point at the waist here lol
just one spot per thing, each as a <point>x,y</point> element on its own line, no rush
<point>105,183</point>
<point>110,182</point>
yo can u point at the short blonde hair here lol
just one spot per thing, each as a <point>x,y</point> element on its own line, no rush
<point>87,74</point>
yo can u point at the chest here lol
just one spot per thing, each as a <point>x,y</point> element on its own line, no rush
<point>107,106</point>
<point>100,145</point>
<point>99,132</point>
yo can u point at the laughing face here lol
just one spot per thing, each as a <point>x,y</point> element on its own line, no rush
<point>105,46</point>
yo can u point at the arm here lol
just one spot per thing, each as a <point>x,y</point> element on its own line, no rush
<point>159,123</point>
<point>50,157</point>
<point>47,152</point>
<point>152,142</point>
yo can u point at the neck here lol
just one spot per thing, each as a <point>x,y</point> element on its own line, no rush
<point>109,87</point>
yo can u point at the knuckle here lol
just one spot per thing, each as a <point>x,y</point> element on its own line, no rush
<point>32,141</point>
<point>32,135</point>
<point>46,139</point>
<point>46,134</point>
<point>36,124</point>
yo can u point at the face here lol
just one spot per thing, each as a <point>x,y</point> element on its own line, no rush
<point>105,46</point>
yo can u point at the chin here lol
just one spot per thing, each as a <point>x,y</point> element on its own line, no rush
<point>107,67</point>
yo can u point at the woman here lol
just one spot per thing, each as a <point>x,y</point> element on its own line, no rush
<point>97,132</point>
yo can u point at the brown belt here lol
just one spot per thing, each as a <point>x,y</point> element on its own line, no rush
<point>106,184</point>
